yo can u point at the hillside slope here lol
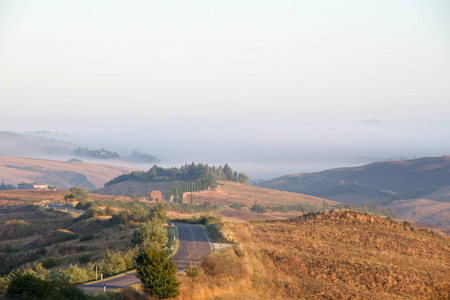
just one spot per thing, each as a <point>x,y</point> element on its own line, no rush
<point>229,192</point>
<point>411,187</point>
<point>62,174</point>
<point>332,255</point>
<point>133,188</point>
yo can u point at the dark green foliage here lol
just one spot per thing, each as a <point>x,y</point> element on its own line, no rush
<point>158,213</point>
<point>204,219</point>
<point>78,193</point>
<point>85,258</point>
<point>28,286</point>
<point>102,153</point>
<point>157,273</point>
<point>185,173</point>
<point>49,263</point>
<point>4,187</point>
<point>136,213</point>
<point>150,234</point>
<point>258,208</point>
<point>70,292</point>
<point>87,237</point>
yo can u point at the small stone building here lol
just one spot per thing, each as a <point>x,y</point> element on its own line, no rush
<point>155,196</point>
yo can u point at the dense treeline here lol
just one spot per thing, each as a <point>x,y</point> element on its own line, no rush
<point>102,153</point>
<point>186,173</point>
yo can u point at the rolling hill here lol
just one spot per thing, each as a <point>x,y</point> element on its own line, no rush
<point>331,255</point>
<point>417,189</point>
<point>61,174</point>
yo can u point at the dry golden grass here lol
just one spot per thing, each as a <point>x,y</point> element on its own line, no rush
<point>229,192</point>
<point>333,255</point>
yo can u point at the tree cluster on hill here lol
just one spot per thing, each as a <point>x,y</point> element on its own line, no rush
<point>4,187</point>
<point>95,153</point>
<point>142,157</point>
<point>185,173</point>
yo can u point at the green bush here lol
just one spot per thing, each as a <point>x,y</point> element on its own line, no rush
<point>258,208</point>
<point>112,263</point>
<point>150,233</point>
<point>49,263</point>
<point>87,237</point>
<point>85,258</point>
<point>28,286</point>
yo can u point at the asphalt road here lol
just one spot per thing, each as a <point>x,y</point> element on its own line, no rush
<point>191,239</point>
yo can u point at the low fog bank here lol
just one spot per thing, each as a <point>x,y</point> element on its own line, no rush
<point>261,160</point>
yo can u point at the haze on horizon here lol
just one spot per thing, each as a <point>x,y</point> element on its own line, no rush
<point>270,87</point>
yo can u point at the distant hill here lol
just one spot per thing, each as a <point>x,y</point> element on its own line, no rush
<point>61,174</point>
<point>43,144</point>
<point>17,144</point>
<point>411,187</point>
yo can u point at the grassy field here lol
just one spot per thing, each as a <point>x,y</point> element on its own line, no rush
<point>63,174</point>
<point>332,255</point>
<point>233,192</point>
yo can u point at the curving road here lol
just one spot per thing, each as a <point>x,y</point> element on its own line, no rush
<point>192,238</point>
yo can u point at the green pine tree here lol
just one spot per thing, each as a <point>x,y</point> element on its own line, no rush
<point>157,273</point>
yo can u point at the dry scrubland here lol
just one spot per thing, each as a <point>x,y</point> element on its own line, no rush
<point>29,233</point>
<point>332,255</point>
<point>19,197</point>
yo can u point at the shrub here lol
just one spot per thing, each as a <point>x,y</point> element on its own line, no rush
<point>258,208</point>
<point>112,263</point>
<point>49,263</point>
<point>219,264</point>
<point>151,232</point>
<point>157,273</point>
<point>85,258</point>
<point>28,286</point>
<point>76,274</point>
<point>87,237</point>
<point>69,292</point>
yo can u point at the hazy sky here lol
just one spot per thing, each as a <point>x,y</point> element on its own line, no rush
<point>273,87</point>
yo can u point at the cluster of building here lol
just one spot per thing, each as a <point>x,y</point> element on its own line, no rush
<point>32,186</point>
